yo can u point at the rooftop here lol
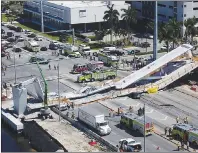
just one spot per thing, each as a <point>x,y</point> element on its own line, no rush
<point>83,4</point>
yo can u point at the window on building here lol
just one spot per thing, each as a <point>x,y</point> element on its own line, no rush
<point>171,7</point>
<point>161,15</point>
<point>195,8</point>
<point>184,15</point>
<point>161,5</point>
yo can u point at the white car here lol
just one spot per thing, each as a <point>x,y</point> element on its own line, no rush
<point>38,38</point>
<point>130,143</point>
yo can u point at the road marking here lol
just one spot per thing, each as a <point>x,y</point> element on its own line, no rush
<point>164,118</point>
<point>150,111</point>
<point>113,133</point>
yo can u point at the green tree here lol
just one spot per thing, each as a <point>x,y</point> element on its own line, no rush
<point>112,18</point>
<point>191,30</point>
<point>165,34</point>
<point>129,16</point>
<point>176,30</point>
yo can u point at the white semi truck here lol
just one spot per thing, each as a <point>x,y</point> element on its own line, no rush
<point>94,119</point>
<point>32,45</point>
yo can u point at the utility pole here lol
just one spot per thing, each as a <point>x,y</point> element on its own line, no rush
<point>58,94</point>
<point>42,24</point>
<point>73,35</point>
<point>146,37</point>
<point>144,129</point>
<point>14,67</point>
<point>155,33</point>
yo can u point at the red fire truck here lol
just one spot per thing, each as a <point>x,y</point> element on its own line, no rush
<point>79,68</point>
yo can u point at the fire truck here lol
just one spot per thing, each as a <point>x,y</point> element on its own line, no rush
<point>186,132</point>
<point>97,75</point>
<point>79,68</point>
<point>136,123</point>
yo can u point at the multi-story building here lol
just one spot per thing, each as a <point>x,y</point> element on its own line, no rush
<point>81,15</point>
<point>181,10</point>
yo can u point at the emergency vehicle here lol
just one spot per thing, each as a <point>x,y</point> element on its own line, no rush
<point>79,68</point>
<point>186,132</point>
<point>97,75</point>
<point>135,122</point>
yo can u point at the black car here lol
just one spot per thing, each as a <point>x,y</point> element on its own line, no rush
<point>32,35</point>
<point>17,49</point>
<point>145,44</point>
<point>2,31</point>
<point>10,34</point>
<point>19,29</point>
<point>43,49</point>
<point>10,39</point>
<point>39,60</point>
<point>53,46</point>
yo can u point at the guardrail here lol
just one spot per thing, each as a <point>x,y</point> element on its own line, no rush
<point>86,130</point>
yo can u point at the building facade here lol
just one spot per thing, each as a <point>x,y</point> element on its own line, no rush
<point>181,10</point>
<point>81,15</point>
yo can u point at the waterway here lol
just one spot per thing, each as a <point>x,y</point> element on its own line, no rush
<point>11,142</point>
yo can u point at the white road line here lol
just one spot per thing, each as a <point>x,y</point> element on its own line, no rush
<point>150,111</point>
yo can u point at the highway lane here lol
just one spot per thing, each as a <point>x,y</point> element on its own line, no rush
<point>152,142</point>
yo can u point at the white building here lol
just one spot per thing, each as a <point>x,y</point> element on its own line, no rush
<point>82,15</point>
<point>181,10</point>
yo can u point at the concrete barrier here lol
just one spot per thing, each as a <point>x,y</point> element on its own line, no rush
<point>86,130</point>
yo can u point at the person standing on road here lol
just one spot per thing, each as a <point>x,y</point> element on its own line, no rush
<point>187,144</point>
<point>169,131</point>
<point>186,120</point>
<point>19,55</point>
<point>54,67</point>
<point>177,119</point>
<point>178,146</point>
<point>49,67</point>
<point>165,131</point>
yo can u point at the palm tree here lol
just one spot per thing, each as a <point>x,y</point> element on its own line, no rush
<point>176,30</point>
<point>191,30</point>
<point>165,34</point>
<point>112,17</point>
<point>129,17</point>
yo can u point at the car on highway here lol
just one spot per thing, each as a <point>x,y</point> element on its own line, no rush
<point>43,49</point>
<point>40,60</point>
<point>74,55</point>
<point>38,38</point>
<point>129,145</point>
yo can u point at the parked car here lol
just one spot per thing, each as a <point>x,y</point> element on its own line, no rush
<point>10,34</point>
<point>4,36</point>
<point>130,52</point>
<point>28,32</point>
<point>11,39</point>
<point>75,55</point>
<point>53,46</point>
<point>19,29</point>
<point>43,49</point>
<point>32,35</point>
<point>17,49</point>
<point>38,38</point>
<point>2,31</point>
<point>145,44</point>
<point>20,39</point>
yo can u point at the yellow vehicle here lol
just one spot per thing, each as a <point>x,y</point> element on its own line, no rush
<point>97,75</point>
<point>135,122</point>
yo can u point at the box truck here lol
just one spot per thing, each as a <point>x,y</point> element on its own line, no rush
<point>94,119</point>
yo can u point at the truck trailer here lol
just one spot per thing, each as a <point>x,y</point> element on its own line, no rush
<point>94,120</point>
<point>136,122</point>
<point>31,45</point>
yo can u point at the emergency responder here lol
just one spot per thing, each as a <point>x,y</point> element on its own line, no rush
<point>73,115</point>
<point>186,120</point>
<point>118,111</point>
<point>177,119</point>
<point>49,67</point>
<point>19,55</point>
<point>118,148</point>
<point>67,114</point>
<point>187,144</point>
<point>165,130</point>
<point>178,146</point>
<point>169,131</point>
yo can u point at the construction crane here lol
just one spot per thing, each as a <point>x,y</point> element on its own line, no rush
<point>44,113</point>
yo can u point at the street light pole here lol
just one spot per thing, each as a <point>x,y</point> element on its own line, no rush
<point>144,129</point>
<point>155,32</point>
<point>58,94</point>
<point>73,35</point>
<point>42,24</point>
<point>14,68</point>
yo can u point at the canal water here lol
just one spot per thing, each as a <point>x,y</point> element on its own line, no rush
<point>11,142</point>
